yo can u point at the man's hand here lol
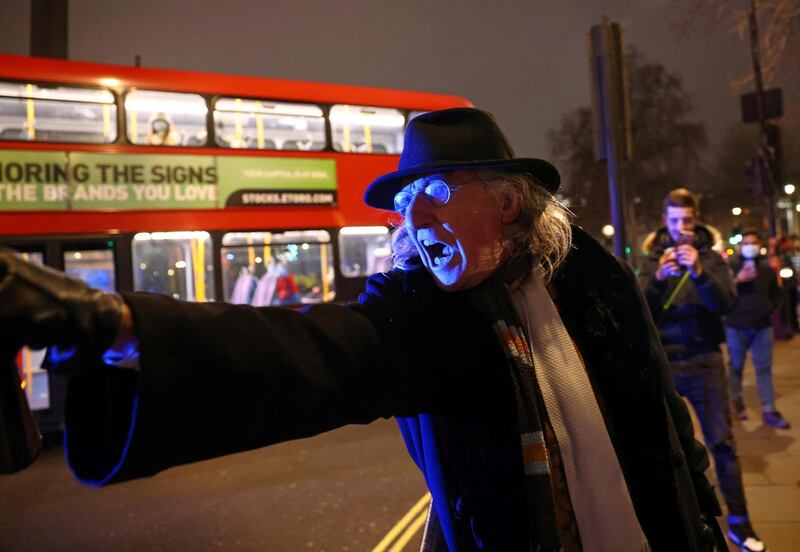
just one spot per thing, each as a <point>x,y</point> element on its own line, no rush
<point>748,273</point>
<point>688,257</point>
<point>667,265</point>
<point>40,307</point>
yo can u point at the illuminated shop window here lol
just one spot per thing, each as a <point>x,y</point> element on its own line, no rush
<point>29,362</point>
<point>278,268</point>
<point>363,129</point>
<point>262,124</point>
<point>364,250</point>
<point>166,118</point>
<point>57,113</point>
<point>177,264</point>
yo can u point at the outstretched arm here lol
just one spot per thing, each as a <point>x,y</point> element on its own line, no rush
<point>213,378</point>
<point>217,379</point>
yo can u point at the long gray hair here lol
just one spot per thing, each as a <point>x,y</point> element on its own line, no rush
<point>541,227</point>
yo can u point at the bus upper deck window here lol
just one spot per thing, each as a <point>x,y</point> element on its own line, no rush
<point>177,264</point>
<point>166,118</point>
<point>262,124</point>
<point>364,250</point>
<point>57,113</point>
<point>278,268</point>
<point>363,129</point>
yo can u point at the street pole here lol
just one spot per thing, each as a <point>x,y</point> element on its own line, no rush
<point>49,28</point>
<point>612,117</point>
<point>762,121</point>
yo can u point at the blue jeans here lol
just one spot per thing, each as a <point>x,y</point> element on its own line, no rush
<point>759,342</point>
<point>701,379</point>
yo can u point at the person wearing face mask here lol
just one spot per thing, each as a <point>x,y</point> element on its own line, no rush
<point>748,327</point>
<point>515,352</point>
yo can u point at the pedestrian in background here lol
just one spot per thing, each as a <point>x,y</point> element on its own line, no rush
<point>748,327</point>
<point>688,287</point>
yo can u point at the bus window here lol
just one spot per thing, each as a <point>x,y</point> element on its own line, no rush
<point>364,250</point>
<point>57,113</point>
<point>33,377</point>
<point>177,264</point>
<point>95,267</point>
<point>271,268</point>
<point>166,118</point>
<point>367,129</point>
<point>260,124</point>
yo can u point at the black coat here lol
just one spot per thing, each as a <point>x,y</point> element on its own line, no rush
<point>756,298</point>
<point>220,378</point>
<point>693,322</point>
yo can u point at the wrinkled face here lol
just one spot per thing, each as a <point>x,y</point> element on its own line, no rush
<point>460,241</point>
<point>679,221</point>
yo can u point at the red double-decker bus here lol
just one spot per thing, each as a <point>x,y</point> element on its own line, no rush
<point>206,187</point>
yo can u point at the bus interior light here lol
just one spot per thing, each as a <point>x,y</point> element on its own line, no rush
<point>165,106</point>
<point>196,235</point>
<point>363,230</point>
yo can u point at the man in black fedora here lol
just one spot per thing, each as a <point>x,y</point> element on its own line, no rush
<point>516,354</point>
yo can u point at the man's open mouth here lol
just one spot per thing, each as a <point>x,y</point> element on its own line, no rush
<point>438,252</point>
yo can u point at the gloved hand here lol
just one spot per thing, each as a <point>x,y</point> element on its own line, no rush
<point>42,307</point>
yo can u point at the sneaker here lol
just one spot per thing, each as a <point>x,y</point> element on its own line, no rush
<point>739,410</point>
<point>774,419</point>
<point>745,538</point>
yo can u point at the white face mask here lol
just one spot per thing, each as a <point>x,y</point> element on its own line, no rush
<point>750,250</point>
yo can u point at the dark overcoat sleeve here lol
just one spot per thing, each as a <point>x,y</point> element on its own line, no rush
<point>218,378</point>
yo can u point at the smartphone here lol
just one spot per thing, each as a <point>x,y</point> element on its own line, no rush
<point>686,238</point>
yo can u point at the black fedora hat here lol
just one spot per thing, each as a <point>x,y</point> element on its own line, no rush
<point>453,139</point>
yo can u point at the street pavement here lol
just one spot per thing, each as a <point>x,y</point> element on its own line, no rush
<point>771,457</point>
<point>341,491</point>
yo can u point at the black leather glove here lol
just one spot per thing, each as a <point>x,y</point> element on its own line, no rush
<point>42,307</point>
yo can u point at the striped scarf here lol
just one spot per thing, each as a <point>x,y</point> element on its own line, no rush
<point>492,299</point>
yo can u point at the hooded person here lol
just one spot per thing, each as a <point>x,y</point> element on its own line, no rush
<point>516,354</point>
<point>161,131</point>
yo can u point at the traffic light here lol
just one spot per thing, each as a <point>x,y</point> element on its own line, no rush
<point>756,173</point>
<point>775,152</point>
<point>764,171</point>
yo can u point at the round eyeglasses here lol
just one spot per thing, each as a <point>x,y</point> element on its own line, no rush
<point>436,191</point>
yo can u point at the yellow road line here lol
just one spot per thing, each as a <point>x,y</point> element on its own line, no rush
<point>411,519</point>
<point>409,533</point>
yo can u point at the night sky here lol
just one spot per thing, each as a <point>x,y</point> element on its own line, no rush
<point>523,60</point>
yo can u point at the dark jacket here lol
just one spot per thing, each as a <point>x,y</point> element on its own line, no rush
<point>220,378</point>
<point>693,322</point>
<point>757,299</point>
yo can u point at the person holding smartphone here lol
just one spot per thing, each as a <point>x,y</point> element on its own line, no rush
<point>748,327</point>
<point>689,287</point>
